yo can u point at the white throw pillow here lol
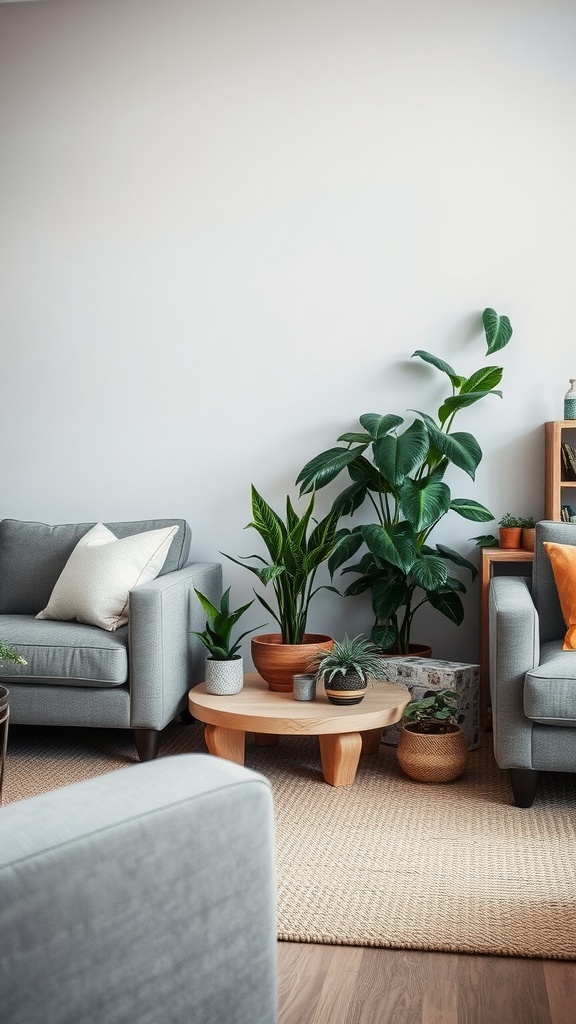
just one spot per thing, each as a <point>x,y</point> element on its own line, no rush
<point>94,584</point>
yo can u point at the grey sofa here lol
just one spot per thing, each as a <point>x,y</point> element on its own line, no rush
<point>145,896</point>
<point>532,680</point>
<point>77,675</point>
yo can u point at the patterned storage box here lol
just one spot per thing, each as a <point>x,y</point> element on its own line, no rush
<point>421,674</point>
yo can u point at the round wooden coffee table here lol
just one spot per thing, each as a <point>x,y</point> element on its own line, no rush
<point>343,733</point>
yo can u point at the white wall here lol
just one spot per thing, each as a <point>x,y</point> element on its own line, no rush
<point>226,225</point>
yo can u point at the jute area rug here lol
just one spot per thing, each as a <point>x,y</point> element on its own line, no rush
<point>386,862</point>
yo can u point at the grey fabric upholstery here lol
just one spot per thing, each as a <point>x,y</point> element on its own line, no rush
<point>137,677</point>
<point>32,556</point>
<point>532,680</point>
<point>66,652</point>
<point>141,897</point>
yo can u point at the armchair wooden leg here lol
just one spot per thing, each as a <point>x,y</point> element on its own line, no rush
<point>524,782</point>
<point>147,743</point>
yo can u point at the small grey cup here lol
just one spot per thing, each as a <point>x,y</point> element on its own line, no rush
<point>304,687</point>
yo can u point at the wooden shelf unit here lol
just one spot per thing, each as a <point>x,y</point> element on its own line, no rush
<point>557,492</point>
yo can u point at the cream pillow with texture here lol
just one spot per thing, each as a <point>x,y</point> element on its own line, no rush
<point>94,584</point>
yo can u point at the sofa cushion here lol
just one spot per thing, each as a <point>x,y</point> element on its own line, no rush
<point>563,560</point>
<point>64,653</point>
<point>550,688</point>
<point>32,556</point>
<point>94,585</point>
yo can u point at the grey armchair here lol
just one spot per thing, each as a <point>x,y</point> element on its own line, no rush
<point>77,675</point>
<point>532,680</point>
<point>141,897</point>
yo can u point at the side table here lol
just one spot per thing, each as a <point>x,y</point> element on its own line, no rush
<point>343,733</point>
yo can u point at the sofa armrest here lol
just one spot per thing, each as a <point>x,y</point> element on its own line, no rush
<point>514,650</point>
<point>165,660</point>
<point>147,894</point>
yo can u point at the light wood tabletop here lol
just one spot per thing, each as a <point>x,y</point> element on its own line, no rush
<point>344,732</point>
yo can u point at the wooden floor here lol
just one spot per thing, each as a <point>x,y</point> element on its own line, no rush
<point>352,985</point>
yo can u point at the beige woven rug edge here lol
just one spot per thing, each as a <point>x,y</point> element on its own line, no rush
<point>386,862</point>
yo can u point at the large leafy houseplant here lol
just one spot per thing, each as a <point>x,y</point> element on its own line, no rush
<point>399,470</point>
<point>295,554</point>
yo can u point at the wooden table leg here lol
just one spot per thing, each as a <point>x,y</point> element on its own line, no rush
<point>340,756</point>
<point>265,739</point>
<point>228,743</point>
<point>371,741</point>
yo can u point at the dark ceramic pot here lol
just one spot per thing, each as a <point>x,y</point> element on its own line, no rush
<point>345,688</point>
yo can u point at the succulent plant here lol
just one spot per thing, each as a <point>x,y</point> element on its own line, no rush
<point>356,655</point>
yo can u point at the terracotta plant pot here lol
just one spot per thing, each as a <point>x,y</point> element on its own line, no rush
<point>278,663</point>
<point>528,537</point>
<point>432,757</point>
<point>345,688</point>
<point>510,536</point>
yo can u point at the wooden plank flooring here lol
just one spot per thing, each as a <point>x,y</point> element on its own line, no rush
<point>354,985</point>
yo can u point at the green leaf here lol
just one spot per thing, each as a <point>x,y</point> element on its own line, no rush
<point>485,540</point>
<point>455,378</point>
<point>350,499</point>
<point>424,505</point>
<point>268,573</point>
<point>325,467</point>
<point>209,609</point>
<point>358,587</point>
<point>268,524</point>
<point>485,379</point>
<point>385,636</point>
<point>497,329</point>
<point>456,402</point>
<point>457,559</point>
<point>430,572</point>
<point>377,425</point>
<point>347,544</point>
<point>363,472</point>
<point>469,509</point>
<point>387,598</point>
<point>460,448</point>
<point>352,438</point>
<point>449,604</point>
<point>397,457</point>
<point>395,544</point>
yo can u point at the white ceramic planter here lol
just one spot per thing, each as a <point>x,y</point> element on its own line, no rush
<point>224,677</point>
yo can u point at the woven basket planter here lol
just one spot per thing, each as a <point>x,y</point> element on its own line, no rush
<point>432,757</point>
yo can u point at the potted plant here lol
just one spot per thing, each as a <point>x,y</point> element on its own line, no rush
<point>399,471</point>
<point>347,669</point>
<point>510,531</point>
<point>431,746</point>
<point>295,550</point>
<point>224,665</point>
<point>528,533</point>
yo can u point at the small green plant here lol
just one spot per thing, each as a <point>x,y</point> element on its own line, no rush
<point>221,621</point>
<point>510,522</point>
<point>528,523</point>
<point>9,654</point>
<point>294,559</point>
<point>355,655</point>
<point>434,712</point>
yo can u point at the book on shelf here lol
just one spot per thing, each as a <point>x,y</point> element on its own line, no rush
<point>568,461</point>
<point>567,514</point>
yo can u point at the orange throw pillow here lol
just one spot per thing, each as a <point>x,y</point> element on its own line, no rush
<point>563,560</point>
